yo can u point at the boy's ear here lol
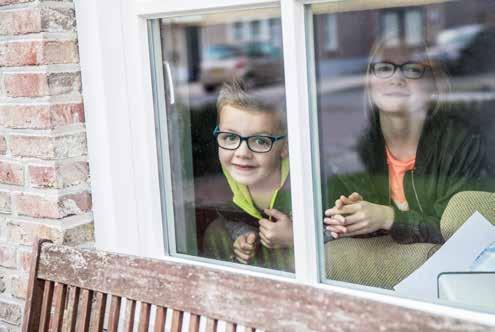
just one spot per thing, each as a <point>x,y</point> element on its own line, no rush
<point>284,153</point>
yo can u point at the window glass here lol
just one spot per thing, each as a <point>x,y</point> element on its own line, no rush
<point>238,31</point>
<point>224,136</point>
<point>331,33</point>
<point>406,130</point>
<point>414,24</point>
<point>255,29</point>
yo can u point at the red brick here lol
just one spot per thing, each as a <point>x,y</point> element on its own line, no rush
<point>3,287</point>
<point>10,312</point>
<point>41,84</point>
<point>20,21</point>
<point>58,176</point>
<point>3,145</point>
<point>11,2</point>
<point>25,231</point>
<point>19,53</point>
<point>18,286</point>
<point>38,206</point>
<point>11,173</point>
<point>58,19</point>
<point>66,114</point>
<point>7,257</point>
<point>53,207</point>
<point>79,234</point>
<point>61,83</point>
<point>26,84</point>
<point>39,52</point>
<point>42,147</point>
<point>41,116</point>
<point>5,202</point>
<point>32,146</point>
<point>23,261</point>
<point>59,52</point>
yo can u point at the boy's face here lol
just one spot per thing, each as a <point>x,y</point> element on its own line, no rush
<point>245,166</point>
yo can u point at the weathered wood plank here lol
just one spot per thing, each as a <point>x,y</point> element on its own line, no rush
<point>99,311</point>
<point>230,327</point>
<point>130,312</point>
<point>85,314</point>
<point>160,319</point>
<point>194,323</point>
<point>144,317</point>
<point>72,307</point>
<point>113,321</point>
<point>211,325</point>
<point>46,306</point>
<point>60,297</point>
<point>35,289</point>
<point>177,317</point>
<point>273,305</point>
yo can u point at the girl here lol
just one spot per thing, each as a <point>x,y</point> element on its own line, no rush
<point>416,155</point>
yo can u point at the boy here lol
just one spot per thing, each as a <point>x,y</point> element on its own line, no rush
<point>255,227</point>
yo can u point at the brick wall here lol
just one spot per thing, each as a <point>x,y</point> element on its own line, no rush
<point>44,173</point>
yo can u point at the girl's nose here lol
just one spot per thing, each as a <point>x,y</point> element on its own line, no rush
<point>398,78</point>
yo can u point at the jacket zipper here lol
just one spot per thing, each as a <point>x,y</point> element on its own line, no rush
<point>415,193</point>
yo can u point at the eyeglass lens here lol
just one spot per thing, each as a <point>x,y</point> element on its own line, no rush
<point>409,70</point>
<point>232,141</point>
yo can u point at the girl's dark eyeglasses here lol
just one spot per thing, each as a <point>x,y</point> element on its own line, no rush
<point>411,70</point>
<point>256,143</point>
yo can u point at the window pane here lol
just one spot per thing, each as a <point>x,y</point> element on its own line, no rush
<point>226,130</point>
<point>414,27</point>
<point>406,126</point>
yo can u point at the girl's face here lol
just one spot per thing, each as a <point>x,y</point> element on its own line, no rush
<point>407,89</point>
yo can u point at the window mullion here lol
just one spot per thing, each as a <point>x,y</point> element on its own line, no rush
<point>299,131</point>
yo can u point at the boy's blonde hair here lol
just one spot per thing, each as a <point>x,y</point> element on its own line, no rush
<point>233,93</point>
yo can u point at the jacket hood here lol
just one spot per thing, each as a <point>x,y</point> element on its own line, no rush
<point>242,197</point>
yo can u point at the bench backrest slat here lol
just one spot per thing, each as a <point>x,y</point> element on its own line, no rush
<point>129,316</point>
<point>177,318</point>
<point>46,305</point>
<point>72,309</point>
<point>85,313</point>
<point>59,299</point>
<point>141,285</point>
<point>99,311</point>
<point>194,323</point>
<point>113,321</point>
<point>160,319</point>
<point>144,317</point>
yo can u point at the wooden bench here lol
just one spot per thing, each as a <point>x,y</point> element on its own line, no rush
<point>71,289</point>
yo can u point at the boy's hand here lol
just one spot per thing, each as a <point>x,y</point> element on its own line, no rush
<point>245,247</point>
<point>277,233</point>
<point>334,222</point>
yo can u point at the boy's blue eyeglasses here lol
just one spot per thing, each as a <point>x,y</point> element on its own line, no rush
<point>256,143</point>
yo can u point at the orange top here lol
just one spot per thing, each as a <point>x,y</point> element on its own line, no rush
<point>396,171</point>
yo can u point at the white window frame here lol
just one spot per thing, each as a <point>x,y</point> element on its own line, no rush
<point>116,74</point>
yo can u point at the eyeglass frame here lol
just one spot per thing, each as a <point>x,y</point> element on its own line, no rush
<point>401,66</point>
<point>273,140</point>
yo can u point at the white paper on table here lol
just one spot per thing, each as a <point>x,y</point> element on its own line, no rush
<point>455,255</point>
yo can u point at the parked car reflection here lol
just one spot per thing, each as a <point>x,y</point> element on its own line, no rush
<point>466,50</point>
<point>255,63</point>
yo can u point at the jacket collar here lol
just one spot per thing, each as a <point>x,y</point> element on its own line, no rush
<point>242,197</point>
